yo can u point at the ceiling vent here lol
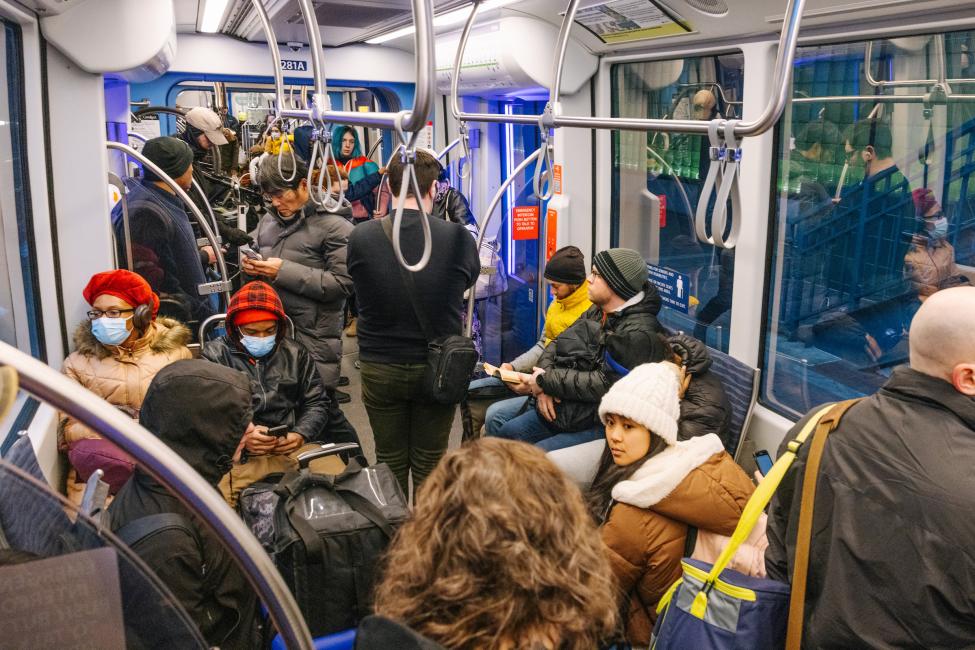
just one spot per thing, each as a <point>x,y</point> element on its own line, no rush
<point>709,7</point>
<point>340,14</point>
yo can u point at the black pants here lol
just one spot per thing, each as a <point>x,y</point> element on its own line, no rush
<point>338,428</point>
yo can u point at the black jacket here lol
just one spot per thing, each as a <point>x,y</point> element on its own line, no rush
<point>381,633</point>
<point>454,207</point>
<point>704,408</point>
<point>892,560</point>
<point>630,336</point>
<point>200,410</point>
<point>286,386</point>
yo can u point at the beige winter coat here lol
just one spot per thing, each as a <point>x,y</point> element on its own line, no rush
<point>118,375</point>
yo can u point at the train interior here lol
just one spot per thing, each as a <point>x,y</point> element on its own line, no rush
<point>806,305</point>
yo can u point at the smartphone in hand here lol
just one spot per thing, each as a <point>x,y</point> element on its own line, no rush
<point>763,461</point>
<point>278,431</point>
<point>250,253</point>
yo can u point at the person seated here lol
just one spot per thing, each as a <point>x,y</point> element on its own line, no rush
<point>566,276</point>
<point>704,407</point>
<point>202,411</point>
<point>288,390</point>
<point>118,350</point>
<point>360,176</point>
<point>930,261</point>
<point>651,488</point>
<point>499,553</point>
<point>276,142</point>
<point>620,331</point>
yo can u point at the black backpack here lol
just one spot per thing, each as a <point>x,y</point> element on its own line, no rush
<point>327,534</point>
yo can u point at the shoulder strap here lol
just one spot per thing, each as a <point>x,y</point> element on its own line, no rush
<point>797,598</point>
<point>143,528</point>
<point>387,224</point>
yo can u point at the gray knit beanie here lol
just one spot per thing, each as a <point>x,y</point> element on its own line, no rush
<point>624,270</point>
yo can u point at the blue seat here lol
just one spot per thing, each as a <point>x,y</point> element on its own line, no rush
<point>344,640</point>
<point>740,382</point>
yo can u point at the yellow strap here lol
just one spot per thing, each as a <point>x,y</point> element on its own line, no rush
<point>754,509</point>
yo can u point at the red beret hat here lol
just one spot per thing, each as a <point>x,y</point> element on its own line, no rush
<point>923,201</point>
<point>128,286</point>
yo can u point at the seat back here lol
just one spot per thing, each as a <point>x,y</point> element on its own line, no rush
<point>740,383</point>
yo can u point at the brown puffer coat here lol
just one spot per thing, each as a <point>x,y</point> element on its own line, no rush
<point>930,268</point>
<point>119,376</point>
<point>693,483</point>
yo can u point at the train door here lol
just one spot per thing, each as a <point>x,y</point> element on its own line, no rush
<point>509,323</point>
<point>657,182</point>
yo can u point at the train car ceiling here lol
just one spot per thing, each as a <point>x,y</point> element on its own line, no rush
<point>134,40</point>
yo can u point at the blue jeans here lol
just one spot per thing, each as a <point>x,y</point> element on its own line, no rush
<point>503,421</point>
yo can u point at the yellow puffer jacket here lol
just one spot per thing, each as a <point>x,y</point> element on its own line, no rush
<point>274,147</point>
<point>562,313</point>
<point>119,376</point>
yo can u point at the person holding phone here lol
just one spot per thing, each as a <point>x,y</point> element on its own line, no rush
<point>290,403</point>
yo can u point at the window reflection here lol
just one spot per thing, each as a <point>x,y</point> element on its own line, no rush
<point>874,212</point>
<point>658,177</point>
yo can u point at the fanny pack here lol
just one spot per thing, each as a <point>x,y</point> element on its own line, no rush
<point>450,359</point>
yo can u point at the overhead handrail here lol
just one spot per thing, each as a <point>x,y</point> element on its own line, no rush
<point>407,152</point>
<point>374,147</point>
<point>223,284</point>
<point>463,163</point>
<point>942,69</point>
<point>173,472</point>
<point>781,77</point>
<point>115,181</point>
<point>483,226</point>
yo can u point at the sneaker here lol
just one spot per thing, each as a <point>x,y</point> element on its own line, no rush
<point>350,329</point>
<point>343,381</point>
<point>342,397</point>
<point>357,365</point>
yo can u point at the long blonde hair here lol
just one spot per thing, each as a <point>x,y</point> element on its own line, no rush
<point>500,553</point>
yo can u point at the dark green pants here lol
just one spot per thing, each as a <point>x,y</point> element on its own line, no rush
<point>411,432</point>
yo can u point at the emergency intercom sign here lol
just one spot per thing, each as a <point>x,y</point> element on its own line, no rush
<point>557,179</point>
<point>524,222</point>
<point>551,232</point>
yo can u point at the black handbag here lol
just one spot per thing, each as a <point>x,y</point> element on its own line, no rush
<point>450,359</point>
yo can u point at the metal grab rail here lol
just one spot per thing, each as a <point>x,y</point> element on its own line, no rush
<point>115,181</point>
<point>170,470</point>
<point>782,75</point>
<point>221,286</point>
<point>482,227</point>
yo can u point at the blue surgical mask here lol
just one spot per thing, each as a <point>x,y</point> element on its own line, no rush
<point>940,230</point>
<point>110,331</point>
<point>258,346</point>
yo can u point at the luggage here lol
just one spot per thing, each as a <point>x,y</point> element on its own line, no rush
<point>327,533</point>
<point>712,607</point>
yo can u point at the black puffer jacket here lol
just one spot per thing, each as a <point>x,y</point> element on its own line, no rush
<point>893,542</point>
<point>454,207</point>
<point>200,410</point>
<point>630,336</point>
<point>704,408</point>
<point>286,386</point>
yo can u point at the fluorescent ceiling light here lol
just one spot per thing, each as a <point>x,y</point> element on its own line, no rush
<point>212,13</point>
<point>454,17</point>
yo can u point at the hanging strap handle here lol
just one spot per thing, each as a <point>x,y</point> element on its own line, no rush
<point>712,180</point>
<point>797,598</point>
<point>728,189</point>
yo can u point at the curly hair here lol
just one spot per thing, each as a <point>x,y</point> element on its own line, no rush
<point>500,552</point>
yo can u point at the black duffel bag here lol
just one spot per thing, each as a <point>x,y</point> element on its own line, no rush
<point>328,534</point>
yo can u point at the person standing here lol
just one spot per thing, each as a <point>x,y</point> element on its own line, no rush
<point>411,430</point>
<point>304,250</point>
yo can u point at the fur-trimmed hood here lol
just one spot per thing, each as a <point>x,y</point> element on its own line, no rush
<point>660,475</point>
<point>165,336</point>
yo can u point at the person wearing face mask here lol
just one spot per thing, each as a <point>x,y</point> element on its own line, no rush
<point>202,411</point>
<point>930,262</point>
<point>118,350</point>
<point>287,389</point>
<point>164,248</point>
<point>276,142</point>
<point>303,248</point>
<point>650,488</point>
<point>892,532</point>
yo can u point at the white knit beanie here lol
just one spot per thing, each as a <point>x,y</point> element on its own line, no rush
<point>648,396</point>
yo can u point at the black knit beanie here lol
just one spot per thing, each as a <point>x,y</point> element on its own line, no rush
<point>567,265</point>
<point>623,269</point>
<point>173,156</point>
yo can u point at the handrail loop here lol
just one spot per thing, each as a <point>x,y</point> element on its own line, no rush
<point>220,286</point>
<point>721,180</point>
<point>174,473</point>
<point>408,158</point>
<point>483,226</point>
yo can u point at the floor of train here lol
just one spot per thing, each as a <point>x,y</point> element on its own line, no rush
<point>356,412</point>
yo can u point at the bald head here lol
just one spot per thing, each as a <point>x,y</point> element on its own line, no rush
<point>702,105</point>
<point>943,339</point>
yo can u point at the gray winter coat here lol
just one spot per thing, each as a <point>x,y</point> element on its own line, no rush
<point>313,281</point>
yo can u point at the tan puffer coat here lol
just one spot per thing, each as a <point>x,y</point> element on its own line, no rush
<point>693,483</point>
<point>118,375</point>
<point>930,268</point>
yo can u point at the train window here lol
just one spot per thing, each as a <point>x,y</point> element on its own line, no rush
<point>657,179</point>
<point>20,323</point>
<point>874,211</point>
